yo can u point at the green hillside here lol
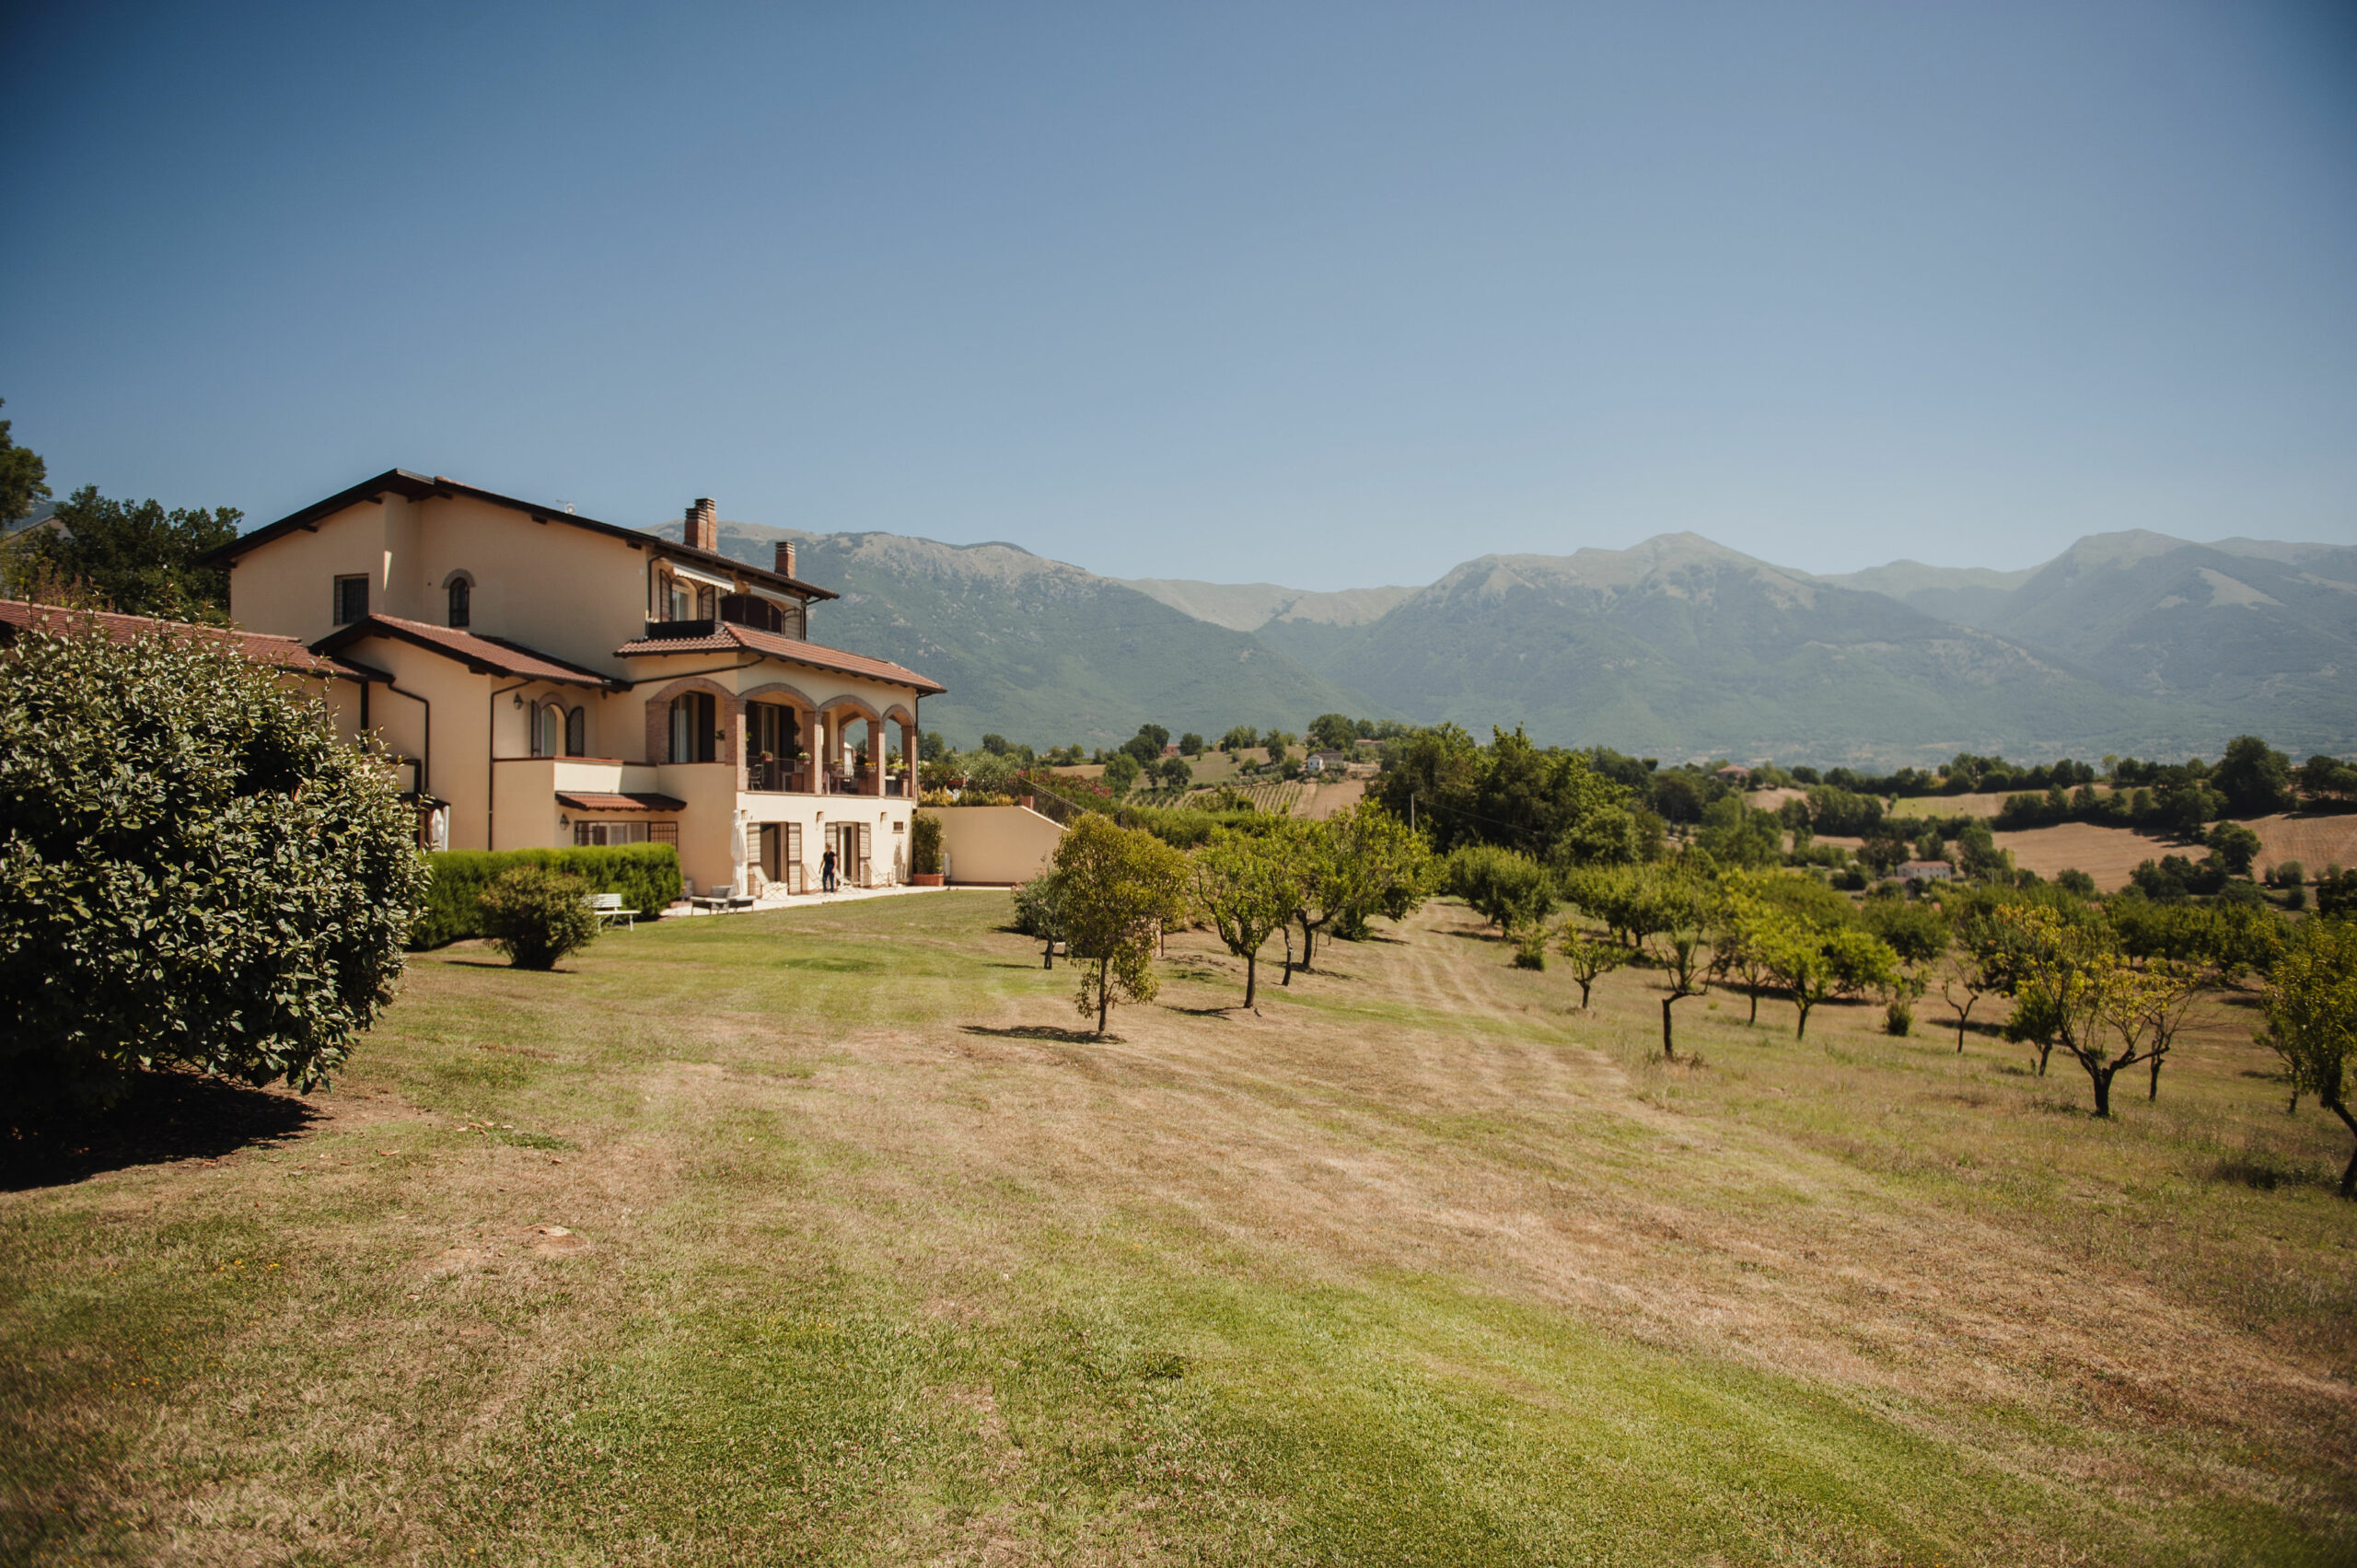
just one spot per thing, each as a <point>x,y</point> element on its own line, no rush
<point>1038,650</point>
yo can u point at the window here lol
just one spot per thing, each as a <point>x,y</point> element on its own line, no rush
<point>462,602</point>
<point>676,601</point>
<point>548,730</point>
<point>663,833</point>
<point>576,733</point>
<point>602,834</point>
<point>707,605</point>
<point>693,728</point>
<point>351,600</point>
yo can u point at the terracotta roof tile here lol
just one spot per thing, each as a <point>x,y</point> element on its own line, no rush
<point>489,656</point>
<point>284,653</point>
<point>778,645</point>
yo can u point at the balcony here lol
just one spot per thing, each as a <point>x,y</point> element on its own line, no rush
<point>778,777</point>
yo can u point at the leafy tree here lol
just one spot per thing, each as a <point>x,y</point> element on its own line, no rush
<point>1120,888</point>
<point>537,915</point>
<point>1687,973</point>
<point>996,745</point>
<point>1190,745</point>
<point>194,871</point>
<point>1591,957</point>
<point>1248,886</point>
<point>1915,932</point>
<point>1978,855</point>
<point>1173,772</point>
<point>24,478</point>
<point>1121,771</point>
<point>2082,994</point>
<point>1981,960</point>
<point>2311,1002</point>
<point>1736,834</point>
<point>1242,737</point>
<point>1843,813</point>
<point>1374,865</point>
<point>1333,732</point>
<point>2255,778</point>
<point>2337,892</point>
<point>2078,884</point>
<point>1816,964</point>
<point>141,559</point>
<point>2236,846</point>
<point>1147,743</point>
<point>1506,888</point>
<point>932,748</point>
<point>1741,946</point>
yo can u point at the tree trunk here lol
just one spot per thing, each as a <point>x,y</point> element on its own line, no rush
<point>2155,1092</point>
<point>1307,942</point>
<point>2044,1051</point>
<point>2349,1177</point>
<point>1583,985</point>
<point>1961,1014</point>
<point>1288,931</point>
<point>1251,974</point>
<point>2102,1076</point>
<point>1800,1030</point>
<point>1104,997</point>
<point>1754,989</point>
<point>1667,1049</point>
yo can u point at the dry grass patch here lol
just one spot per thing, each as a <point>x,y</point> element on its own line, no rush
<point>827,1236</point>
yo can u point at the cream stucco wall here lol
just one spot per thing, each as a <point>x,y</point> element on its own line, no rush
<point>995,843</point>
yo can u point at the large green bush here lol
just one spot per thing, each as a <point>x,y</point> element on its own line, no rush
<point>194,871</point>
<point>646,876</point>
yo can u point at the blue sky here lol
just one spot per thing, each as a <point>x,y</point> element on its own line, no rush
<point>1328,295</point>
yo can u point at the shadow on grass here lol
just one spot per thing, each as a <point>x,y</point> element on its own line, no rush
<point>166,1117</point>
<point>1044,1032</point>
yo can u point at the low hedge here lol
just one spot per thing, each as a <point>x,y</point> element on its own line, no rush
<point>646,876</point>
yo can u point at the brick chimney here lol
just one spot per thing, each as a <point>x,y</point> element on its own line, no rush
<point>785,558</point>
<point>703,526</point>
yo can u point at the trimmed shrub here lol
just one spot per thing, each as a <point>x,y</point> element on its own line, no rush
<point>646,876</point>
<point>536,916</point>
<point>1898,1018</point>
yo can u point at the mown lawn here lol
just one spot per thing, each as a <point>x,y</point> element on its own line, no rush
<point>827,1236</point>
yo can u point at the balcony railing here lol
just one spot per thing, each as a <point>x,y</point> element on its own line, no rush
<point>778,777</point>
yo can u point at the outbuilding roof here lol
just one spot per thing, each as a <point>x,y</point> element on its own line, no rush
<point>261,647</point>
<point>483,656</point>
<point>417,486</point>
<point>727,636</point>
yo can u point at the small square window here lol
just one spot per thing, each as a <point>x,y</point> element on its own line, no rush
<point>351,600</point>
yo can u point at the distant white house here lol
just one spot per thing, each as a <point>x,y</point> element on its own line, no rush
<point>1926,871</point>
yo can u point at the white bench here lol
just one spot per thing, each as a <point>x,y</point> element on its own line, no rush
<point>608,908</point>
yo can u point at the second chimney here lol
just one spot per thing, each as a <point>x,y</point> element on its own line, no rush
<point>703,526</point>
<point>785,558</point>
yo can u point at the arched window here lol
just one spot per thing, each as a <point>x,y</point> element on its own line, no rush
<point>548,730</point>
<point>576,732</point>
<point>462,602</point>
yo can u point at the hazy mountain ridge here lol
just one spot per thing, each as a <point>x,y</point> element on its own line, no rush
<point>1035,648</point>
<point>1676,646</point>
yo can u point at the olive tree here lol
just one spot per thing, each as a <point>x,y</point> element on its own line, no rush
<point>1248,887</point>
<point>1120,888</point>
<point>2311,1001</point>
<point>194,870</point>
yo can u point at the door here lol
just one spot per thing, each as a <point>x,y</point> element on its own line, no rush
<point>782,854</point>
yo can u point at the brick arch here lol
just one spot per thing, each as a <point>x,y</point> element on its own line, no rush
<point>900,715</point>
<point>771,690</point>
<point>854,703</point>
<point>730,708</point>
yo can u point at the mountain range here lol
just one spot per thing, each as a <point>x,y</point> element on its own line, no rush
<point>1678,646</point>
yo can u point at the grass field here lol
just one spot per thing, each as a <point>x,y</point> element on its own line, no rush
<point>822,1236</point>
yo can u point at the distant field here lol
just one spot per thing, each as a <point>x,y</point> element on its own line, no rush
<point>2110,854</point>
<point>823,1236</point>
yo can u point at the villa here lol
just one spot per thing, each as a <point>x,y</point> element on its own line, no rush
<point>541,680</point>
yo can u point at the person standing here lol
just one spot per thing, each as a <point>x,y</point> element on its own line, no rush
<point>826,870</point>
